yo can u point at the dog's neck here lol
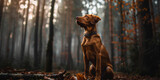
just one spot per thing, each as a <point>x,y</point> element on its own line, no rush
<point>88,34</point>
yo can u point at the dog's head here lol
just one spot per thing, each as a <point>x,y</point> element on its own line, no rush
<point>88,21</point>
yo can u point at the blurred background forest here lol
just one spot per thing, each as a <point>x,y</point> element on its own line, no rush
<point>43,35</point>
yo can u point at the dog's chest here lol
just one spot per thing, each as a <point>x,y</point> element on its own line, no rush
<point>90,52</point>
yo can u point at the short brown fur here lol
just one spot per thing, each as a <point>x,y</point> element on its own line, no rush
<point>93,50</point>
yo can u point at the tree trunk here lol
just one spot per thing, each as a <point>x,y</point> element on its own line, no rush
<point>70,60</point>
<point>105,23</point>
<point>10,34</point>
<point>41,28</point>
<point>2,31</point>
<point>63,40</point>
<point>158,7</point>
<point>1,11</point>
<point>49,53</point>
<point>1,14</point>
<point>135,25</point>
<point>78,48</point>
<point>122,41</point>
<point>153,18</point>
<point>22,36</point>
<point>111,32</point>
<point>25,33</point>
<point>146,55</point>
<point>13,42</point>
<point>134,48</point>
<point>36,55</point>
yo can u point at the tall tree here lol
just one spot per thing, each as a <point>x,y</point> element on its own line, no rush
<point>22,32</point>
<point>146,55</point>
<point>62,36</point>
<point>152,17</point>
<point>69,58</point>
<point>122,34</point>
<point>134,50</point>
<point>1,13</point>
<point>49,53</point>
<point>36,55</point>
<point>111,31</point>
<point>1,10</point>
<point>105,22</point>
<point>41,28</point>
<point>77,12</point>
<point>13,8</point>
<point>135,24</point>
<point>158,6</point>
<point>25,32</point>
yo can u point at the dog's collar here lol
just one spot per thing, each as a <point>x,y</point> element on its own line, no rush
<point>90,34</point>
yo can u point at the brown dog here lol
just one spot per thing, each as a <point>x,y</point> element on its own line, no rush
<point>93,50</point>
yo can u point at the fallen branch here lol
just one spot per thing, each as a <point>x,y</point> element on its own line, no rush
<point>58,76</point>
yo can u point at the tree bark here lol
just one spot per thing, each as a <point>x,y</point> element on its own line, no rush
<point>147,54</point>
<point>25,33</point>
<point>10,34</point>
<point>1,14</point>
<point>111,32</point>
<point>1,11</point>
<point>63,31</point>
<point>41,29</point>
<point>122,41</point>
<point>105,24</point>
<point>158,7</point>
<point>22,35</point>
<point>69,60</point>
<point>36,55</point>
<point>153,18</point>
<point>78,48</point>
<point>49,53</point>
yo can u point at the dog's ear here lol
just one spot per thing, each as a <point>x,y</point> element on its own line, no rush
<point>96,18</point>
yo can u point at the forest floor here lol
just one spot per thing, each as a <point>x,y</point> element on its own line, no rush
<point>124,76</point>
<point>13,74</point>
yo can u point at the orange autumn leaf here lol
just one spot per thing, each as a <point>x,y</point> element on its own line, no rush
<point>122,6</point>
<point>130,31</point>
<point>124,38</point>
<point>145,9</point>
<point>123,29</point>
<point>116,9</point>
<point>145,17</point>
<point>122,34</point>
<point>110,6</point>
<point>115,42</point>
<point>119,2</point>
<point>127,4</point>
<point>123,2</point>
<point>157,19</point>
<point>141,0</point>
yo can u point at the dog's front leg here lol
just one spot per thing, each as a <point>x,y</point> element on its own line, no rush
<point>98,63</point>
<point>86,64</point>
<point>86,61</point>
<point>86,67</point>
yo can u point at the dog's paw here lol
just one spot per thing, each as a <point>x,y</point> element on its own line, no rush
<point>85,77</point>
<point>98,78</point>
